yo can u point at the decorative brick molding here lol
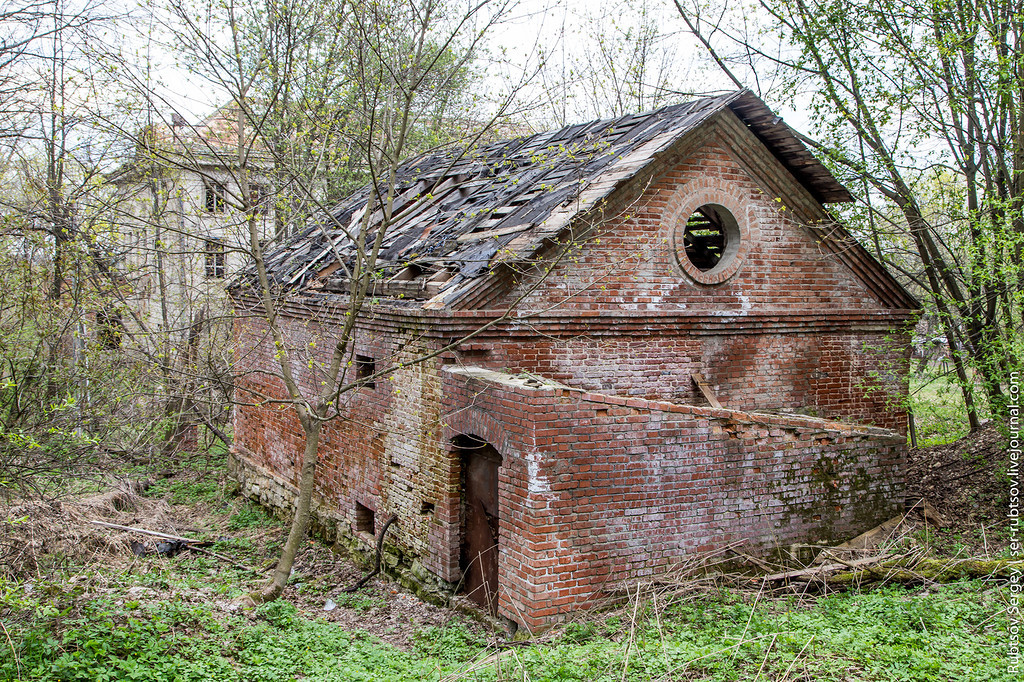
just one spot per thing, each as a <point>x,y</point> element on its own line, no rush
<point>714,191</point>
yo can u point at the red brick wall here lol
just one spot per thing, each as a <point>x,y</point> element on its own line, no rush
<point>609,489</point>
<point>593,487</point>
<point>385,452</point>
<point>852,376</point>
<point>628,261</point>
<point>794,328</point>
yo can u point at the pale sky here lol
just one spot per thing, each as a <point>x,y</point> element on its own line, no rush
<point>566,32</point>
<point>559,29</point>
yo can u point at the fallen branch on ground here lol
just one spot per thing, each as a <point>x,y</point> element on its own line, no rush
<point>813,572</point>
<point>903,570</point>
<point>187,543</point>
<point>915,572</point>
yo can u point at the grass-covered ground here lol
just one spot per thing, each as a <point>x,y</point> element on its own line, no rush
<point>938,406</point>
<point>60,631</point>
<point>80,605</point>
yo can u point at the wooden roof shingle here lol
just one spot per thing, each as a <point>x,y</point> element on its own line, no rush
<point>457,212</point>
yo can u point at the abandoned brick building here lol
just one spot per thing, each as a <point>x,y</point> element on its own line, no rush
<point>696,355</point>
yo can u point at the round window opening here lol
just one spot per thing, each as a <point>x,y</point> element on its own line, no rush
<point>711,239</point>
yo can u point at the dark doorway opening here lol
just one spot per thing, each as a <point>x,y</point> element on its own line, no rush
<point>480,545</point>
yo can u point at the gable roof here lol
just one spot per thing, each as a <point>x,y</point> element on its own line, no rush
<point>457,213</point>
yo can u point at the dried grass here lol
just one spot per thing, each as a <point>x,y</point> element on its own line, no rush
<point>36,535</point>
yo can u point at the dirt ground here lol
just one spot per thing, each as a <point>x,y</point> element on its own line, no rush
<point>966,482</point>
<point>381,607</point>
<point>56,539</point>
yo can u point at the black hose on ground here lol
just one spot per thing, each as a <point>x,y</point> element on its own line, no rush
<point>380,550</point>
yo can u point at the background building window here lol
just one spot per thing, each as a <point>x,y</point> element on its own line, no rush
<point>215,259</point>
<point>108,328</point>
<point>216,197</point>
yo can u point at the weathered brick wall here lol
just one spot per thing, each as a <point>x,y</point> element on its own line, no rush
<point>604,483</point>
<point>846,375</point>
<point>629,260</point>
<point>384,453</point>
<point>793,328</point>
<point>611,489</point>
<point>593,487</point>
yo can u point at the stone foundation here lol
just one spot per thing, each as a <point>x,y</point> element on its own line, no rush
<point>278,496</point>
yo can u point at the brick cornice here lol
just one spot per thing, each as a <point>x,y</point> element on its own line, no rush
<point>446,324</point>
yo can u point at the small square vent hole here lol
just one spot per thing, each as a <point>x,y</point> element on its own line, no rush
<point>366,368</point>
<point>364,519</point>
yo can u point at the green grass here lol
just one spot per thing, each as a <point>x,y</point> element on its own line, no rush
<point>939,412</point>
<point>172,620</point>
<point>888,634</point>
<point>250,515</point>
<point>205,488</point>
<point>953,632</point>
<point>103,638</point>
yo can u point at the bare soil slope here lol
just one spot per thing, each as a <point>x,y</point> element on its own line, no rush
<point>966,482</point>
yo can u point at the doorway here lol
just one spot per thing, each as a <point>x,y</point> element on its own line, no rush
<point>479,536</point>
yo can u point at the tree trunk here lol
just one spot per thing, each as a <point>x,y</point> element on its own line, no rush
<point>300,520</point>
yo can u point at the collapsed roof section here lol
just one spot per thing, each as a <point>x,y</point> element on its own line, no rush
<point>457,212</point>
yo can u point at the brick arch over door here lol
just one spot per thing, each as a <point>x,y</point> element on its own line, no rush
<point>481,424</point>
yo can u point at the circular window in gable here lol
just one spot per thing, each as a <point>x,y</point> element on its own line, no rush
<point>711,243</point>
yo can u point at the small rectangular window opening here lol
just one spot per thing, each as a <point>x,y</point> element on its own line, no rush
<point>365,368</point>
<point>364,519</point>
<point>216,197</point>
<point>426,507</point>
<point>215,259</point>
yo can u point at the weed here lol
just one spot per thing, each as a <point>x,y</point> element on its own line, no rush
<point>579,632</point>
<point>451,645</point>
<point>204,490</point>
<point>278,613</point>
<point>949,632</point>
<point>359,601</point>
<point>250,516</point>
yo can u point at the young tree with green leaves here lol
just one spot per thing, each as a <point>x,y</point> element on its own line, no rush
<point>921,106</point>
<point>328,94</point>
<point>63,394</point>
